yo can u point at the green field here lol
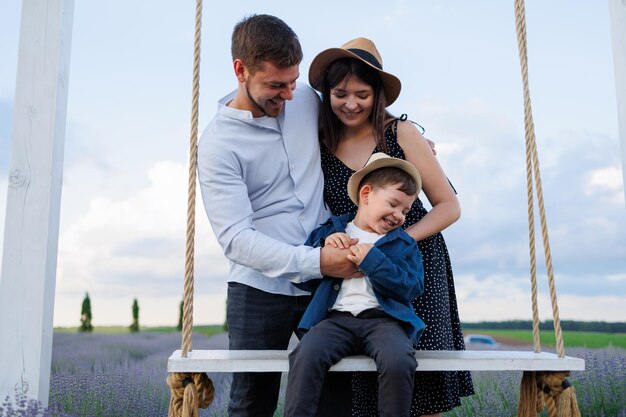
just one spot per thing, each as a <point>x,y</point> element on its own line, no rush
<point>205,330</point>
<point>591,340</point>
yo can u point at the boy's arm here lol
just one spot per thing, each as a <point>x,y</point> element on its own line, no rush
<point>399,277</point>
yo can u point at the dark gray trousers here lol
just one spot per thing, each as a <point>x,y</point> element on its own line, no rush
<point>258,320</point>
<point>341,335</point>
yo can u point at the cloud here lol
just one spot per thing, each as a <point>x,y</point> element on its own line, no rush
<point>617,277</point>
<point>136,246</point>
<point>500,297</point>
<point>608,178</point>
<point>495,297</point>
<point>606,183</point>
<point>582,194</point>
<point>489,245</point>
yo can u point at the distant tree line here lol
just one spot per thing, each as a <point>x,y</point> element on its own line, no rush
<point>569,325</point>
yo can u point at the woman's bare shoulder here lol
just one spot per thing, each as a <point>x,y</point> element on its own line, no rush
<point>408,132</point>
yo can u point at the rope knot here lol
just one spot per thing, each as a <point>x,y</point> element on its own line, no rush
<point>189,392</point>
<point>547,390</point>
<point>554,383</point>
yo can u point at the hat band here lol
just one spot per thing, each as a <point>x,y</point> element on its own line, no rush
<point>366,56</point>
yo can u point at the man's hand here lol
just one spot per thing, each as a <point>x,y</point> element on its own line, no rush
<point>334,263</point>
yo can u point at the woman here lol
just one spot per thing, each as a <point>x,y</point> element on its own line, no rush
<point>354,123</point>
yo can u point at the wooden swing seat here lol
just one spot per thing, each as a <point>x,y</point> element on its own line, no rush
<point>467,360</point>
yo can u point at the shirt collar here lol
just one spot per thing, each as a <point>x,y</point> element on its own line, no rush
<point>246,115</point>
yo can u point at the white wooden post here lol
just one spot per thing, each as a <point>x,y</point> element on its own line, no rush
<point>617,10</point>
<point>31,231</point>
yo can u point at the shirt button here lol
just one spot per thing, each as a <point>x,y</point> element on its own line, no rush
<point>336,287</point>
<point>292,167</point>
<point>329,309</point>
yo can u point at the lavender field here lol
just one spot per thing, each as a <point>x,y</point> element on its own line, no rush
<point>124,375</point>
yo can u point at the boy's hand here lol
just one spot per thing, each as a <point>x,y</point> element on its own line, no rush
<point>359,252</point>
<point>334,262</point>
<point>340,240</point>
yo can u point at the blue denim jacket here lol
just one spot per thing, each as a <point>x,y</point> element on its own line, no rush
<point>393,266</point>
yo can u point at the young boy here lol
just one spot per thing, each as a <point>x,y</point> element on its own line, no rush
<point>370,315</point>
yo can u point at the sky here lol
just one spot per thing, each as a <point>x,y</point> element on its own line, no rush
<point>123,207</point>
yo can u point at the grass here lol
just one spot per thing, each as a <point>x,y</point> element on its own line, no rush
<point>207,330</point>
<point>590,340</point>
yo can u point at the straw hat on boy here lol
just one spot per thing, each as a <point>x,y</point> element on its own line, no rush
<point>381,160</point>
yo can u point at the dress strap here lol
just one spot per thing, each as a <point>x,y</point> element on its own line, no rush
<point>402,118</point>
<point>394,124</point>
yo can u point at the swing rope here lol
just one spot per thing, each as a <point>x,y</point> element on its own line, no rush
<point>191,196</point>
<point>539,390</point>
<point>191,391</point>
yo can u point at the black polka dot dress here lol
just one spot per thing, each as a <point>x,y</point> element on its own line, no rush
<point>434,392</point>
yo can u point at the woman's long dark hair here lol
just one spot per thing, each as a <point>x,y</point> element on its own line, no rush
<point>330,125</point>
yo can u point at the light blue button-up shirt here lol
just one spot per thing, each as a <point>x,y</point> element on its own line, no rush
<point>262,187</point>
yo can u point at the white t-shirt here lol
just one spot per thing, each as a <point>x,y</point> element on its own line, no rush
<point>356,294</point>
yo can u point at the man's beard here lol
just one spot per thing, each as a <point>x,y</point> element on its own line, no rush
<point>257,105</point>
<point>253,101</point>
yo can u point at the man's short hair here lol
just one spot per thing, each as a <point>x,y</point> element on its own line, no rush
<point>260,38</point>
<point>382,177</point>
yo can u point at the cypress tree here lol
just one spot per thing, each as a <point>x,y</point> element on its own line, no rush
<point>85,315</point>
<point>135,326</point>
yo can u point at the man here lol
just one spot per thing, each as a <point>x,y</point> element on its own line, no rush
<point>262,187</point>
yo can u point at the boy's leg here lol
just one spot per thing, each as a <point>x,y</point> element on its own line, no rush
<point>324,345</point>
<point>388,344</point>
<point>258,320</point>
<point>336,396</point>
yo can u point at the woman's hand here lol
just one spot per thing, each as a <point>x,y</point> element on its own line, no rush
<point>432,145</point>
